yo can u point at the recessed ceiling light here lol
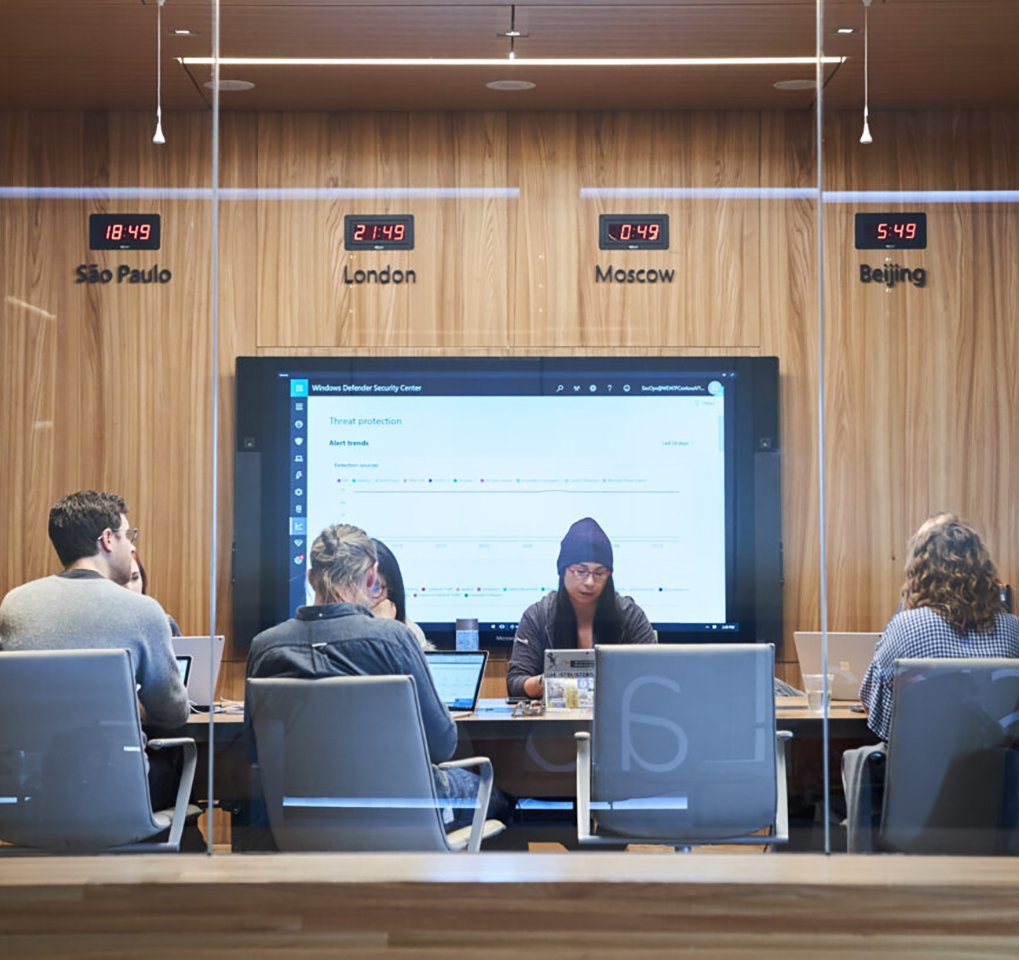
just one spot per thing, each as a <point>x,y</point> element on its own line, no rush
<point>510,85</point>
<point>794,85</point>
<point>227,86</point>
<point>847,30</point>
<point>183,33</point>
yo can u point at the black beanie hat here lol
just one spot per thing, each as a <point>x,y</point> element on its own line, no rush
<point>584,541</point>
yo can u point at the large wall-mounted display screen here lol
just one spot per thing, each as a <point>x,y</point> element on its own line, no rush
<point>472,470</point>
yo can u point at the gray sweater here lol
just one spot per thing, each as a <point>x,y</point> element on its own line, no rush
<point>81,609</point>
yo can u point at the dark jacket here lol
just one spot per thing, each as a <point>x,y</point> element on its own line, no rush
<point>534,637</point>
<point>345,640</point>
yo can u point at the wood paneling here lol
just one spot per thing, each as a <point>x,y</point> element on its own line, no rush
<point>110,385</point>
<point>459,295</point>
<point>714,243</point>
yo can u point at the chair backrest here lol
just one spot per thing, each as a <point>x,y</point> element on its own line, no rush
<point>951,784</point>
<point>684,741</point>
<point>72,760</point>
<point>344,764</point>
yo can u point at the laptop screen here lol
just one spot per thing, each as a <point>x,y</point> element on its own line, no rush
<point>184,665</point>
<point>457,676</point>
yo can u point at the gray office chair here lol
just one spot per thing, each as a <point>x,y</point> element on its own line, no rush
<point>344,766</point>
<point>683,749</point>
<point>952,775</point>
<point>72,756</point>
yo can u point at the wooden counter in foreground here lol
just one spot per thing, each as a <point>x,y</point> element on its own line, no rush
<point>504,906</point>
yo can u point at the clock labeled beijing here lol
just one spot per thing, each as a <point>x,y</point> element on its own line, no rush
<point>891,231</point>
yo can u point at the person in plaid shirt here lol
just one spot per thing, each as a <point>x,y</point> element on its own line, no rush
<point>951,607</point>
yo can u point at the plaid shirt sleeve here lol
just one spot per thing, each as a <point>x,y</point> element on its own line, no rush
<point>922,634</point>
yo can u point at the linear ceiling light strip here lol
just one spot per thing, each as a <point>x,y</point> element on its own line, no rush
<point>501,62</point>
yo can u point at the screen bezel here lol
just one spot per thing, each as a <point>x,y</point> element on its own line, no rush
<point>753,548</point>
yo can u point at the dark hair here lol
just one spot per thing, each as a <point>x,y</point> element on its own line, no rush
<point>608,623</point>
<point>78,521</point>
<point>141,572</point>
<point>389,570</point>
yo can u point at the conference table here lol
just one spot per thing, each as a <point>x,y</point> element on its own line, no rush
<point>534,755</point>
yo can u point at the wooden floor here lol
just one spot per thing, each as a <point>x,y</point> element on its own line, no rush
<point>505,906</point>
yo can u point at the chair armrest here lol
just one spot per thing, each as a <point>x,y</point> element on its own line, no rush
<point>484,766</point>
<point>187,779</point>
<point>781,834</point>
<point>583,740</point>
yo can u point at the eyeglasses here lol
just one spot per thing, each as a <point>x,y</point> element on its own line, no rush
<point>130,534</point>
<point>582,572</point>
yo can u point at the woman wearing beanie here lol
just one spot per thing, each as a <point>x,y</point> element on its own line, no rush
<point>585,610</point>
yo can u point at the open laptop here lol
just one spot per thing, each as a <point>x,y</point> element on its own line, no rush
<point>457,676</point>
<point>184,666</point>
<point>197,684</point>
<point>569,679</point>
<point>849,656</point>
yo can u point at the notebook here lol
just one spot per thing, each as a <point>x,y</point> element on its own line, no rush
<point>569,679</point>
<point>457,676</point>
<point>849,656</point>
<point>197,684</point>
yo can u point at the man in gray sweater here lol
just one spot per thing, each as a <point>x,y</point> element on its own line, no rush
<point>87,607</point>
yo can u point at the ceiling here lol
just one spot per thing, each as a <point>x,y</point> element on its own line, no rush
<point>96,54</point>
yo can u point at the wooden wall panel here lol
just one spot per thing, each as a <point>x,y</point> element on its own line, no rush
<point>921,390</point>
<point>714,249</point>
<point>109,386</point>
<point>460,246</point>
<point>789,331</point>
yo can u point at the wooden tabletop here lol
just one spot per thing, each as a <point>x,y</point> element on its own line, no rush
<point>786,708</point>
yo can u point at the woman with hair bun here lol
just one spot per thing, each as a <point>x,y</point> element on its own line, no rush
<point>951,607</point>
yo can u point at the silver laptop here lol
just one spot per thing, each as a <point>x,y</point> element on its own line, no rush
<point>197,648</point>
<point>849,656</point>
<point>457,676</point>
<point>569,679</point>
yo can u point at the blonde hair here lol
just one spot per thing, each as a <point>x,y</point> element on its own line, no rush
<point>949,570</point>
<point>340,557</point>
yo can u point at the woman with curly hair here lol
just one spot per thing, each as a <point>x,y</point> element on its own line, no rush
<point>951,607</point>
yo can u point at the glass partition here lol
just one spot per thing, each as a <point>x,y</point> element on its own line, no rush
<point>105,291</point>
<point>920,223</point>
<point>549,188</point>
<point>586,200</point>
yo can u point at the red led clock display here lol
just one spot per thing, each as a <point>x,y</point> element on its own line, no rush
<point>639,232</point>
<point>891,231</point>
<point>123,231</point>
<point>378,233</point>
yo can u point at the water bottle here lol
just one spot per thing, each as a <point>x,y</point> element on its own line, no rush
<point>466,634</point>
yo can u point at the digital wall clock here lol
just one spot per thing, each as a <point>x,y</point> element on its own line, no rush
<point>378,233</point>
<point>123,231</point>
<point>639,232</point>
<point>891,231</point>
